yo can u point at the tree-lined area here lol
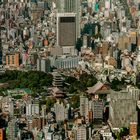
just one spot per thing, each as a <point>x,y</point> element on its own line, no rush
<point>33,80</point>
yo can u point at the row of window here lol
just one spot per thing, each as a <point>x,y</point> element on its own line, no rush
<point>13,59</point>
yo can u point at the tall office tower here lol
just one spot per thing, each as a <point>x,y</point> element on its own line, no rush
<point>69,8</point>
<point>97,108</point>
<point>66,32</point>
<point>70,5</point>
<point>60,6</point>
<point>84,107</point>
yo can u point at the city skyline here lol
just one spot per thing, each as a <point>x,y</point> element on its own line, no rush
<point>69,70</point>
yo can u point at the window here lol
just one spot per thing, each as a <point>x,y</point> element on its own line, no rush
<point>8,59</point>
<point>13,59</point>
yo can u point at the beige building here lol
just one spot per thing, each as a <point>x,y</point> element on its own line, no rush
<point>123,42</point>
<point>12,59</point>
<point>133,129</point>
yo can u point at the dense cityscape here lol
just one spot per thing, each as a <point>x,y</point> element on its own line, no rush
<point>69,69</point>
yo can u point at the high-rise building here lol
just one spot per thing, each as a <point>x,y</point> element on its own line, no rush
<point>12,134</point>
<point>70,6</point>
<point>81,133</point>
<point>60,111</point>
<point>97,108</point>
<point>123,42</point>
<point>70,12</point>
<point>122,108</point>
<point>43,65</point>
<point>32,109</point>
<point>66,29</point>
<point>66,5</point>
<point>84,107</point>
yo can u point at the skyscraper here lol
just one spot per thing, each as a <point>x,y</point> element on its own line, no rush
<point>68,6</point>
<point>84,107</point>
<point>68,17</point>
<point>66,26</point>
<point>66,32</point>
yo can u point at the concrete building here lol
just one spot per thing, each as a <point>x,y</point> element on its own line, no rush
<point>7,105</point>
<point>37,122</point>
<point>66,32</point>
<point>13,130</point>
<point>43,65</point>
<point>60,111</point>
<point>32,109</point>
<point>123,107</point>
<point>123,42</point>
<point>66,62</point>
<point>68,6</point>
<point>84,107</point>
<point>71,6</point>
<point>138,40</point>
<point>81,133</point>
<point>133,36</point>
<point>35,13</point>
<point>97,108</point>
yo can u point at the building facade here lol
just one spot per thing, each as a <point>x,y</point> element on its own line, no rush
<point>66,29</point>
<point>68,62</point>
<point>12,59</point>
<point>123,107</point>
<point>43,65</point>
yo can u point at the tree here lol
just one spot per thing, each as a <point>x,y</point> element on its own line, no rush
<point>79,44</point>
<point>75,101</point>
<point>50,102</point>
<point>72,89</point>
<point>70,79</point>
<point>124,132</point>
<point>88,79</point>
<point>30,79</point>
<point>117,85</point>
